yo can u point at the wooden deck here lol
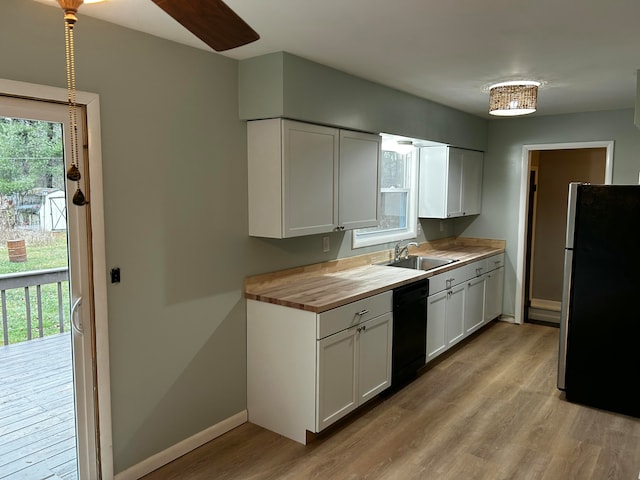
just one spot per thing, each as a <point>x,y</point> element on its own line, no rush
<point>37,431</point>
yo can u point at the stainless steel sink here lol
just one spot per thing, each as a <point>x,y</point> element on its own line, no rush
<point>422,263</point>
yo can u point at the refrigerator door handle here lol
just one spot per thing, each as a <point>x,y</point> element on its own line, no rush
<point>564,317</point>
<point>571,213</point>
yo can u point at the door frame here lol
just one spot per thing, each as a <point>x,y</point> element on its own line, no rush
<point>524,204</point>
<point>531,250</point>
<point>91,102</point>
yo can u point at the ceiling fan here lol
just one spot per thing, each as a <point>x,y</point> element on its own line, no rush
<point>212,21</point>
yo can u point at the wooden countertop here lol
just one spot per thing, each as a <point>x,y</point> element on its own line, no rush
<point>321,287</point>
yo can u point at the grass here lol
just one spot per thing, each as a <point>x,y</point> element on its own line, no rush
<point>44,251</point>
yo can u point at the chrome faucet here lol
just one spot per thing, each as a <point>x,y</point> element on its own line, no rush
<point>400,250</point>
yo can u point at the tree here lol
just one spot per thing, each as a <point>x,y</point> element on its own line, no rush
<point>31,155</point>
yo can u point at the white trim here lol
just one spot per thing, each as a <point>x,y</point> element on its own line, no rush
<point>524,195</point>
<point>533,168</point>
<point>92,103</point>
<point>181,448</point>
<point>544,315</point>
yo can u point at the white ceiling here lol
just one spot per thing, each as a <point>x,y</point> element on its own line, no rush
<point>586,52</point>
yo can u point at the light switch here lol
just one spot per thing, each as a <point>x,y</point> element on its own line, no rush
<point>115,275</point>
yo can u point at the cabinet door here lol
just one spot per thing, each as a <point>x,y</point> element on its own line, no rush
<point>374,356</point>
<point>432,185</point>
<point>436,326</point>
<point>310,170</point>
<point>455,313</point>
<point>471,182</point>
<point>494,293</point>
<point>454,183</point>
<point>358,180</point>
<point>336,393</point>
<point>474,314</point>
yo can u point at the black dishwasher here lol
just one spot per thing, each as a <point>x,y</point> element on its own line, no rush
<point>409,331</point>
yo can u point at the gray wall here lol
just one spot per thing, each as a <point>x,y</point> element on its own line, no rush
<point>285,85</point>
<point>502,170</point>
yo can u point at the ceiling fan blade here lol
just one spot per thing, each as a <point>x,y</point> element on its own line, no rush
<point>212,21</point>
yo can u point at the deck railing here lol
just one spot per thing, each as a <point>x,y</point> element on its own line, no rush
<point>24,280</point>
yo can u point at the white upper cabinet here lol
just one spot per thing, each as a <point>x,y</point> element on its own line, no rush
<point>359,180</point>
<point>306,179</point>
<point>450,182</point>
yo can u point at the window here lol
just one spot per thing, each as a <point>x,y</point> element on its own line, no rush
<point>398,220</point>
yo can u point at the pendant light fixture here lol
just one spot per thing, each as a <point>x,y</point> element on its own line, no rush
<point>509,99</point>
<point>70,8</point>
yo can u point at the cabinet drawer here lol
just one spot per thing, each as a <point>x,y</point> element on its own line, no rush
<point>445,280</point>
<point>338,319</point>
<point>475,269</point>
<point>495,262</point>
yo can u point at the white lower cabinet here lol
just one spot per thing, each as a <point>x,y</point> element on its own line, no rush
<point>455,314</point>
<point>337,376</point>
<point>445,319</point>
<point>475,307</point>
<point>353,367</point>
<point>493,294</point>
<point>306,370</point>
<point>461,301</point>
<point>436,324</point>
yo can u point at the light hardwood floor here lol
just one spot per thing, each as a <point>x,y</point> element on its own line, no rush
<point>489,410</point>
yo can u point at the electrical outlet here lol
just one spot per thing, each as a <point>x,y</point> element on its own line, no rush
<point>326,245</point>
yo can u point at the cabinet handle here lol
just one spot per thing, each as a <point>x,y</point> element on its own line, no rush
<point>361,329</point>
<point>362,312</point>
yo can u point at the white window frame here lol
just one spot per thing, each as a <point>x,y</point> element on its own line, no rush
<point>395,235</point>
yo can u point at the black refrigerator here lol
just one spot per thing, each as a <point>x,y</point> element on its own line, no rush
<point>599,356</point>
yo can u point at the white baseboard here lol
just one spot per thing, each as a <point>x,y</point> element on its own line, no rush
<point>506,318</point>
<point>544,315</point>
<point>550,305</point>
<point>545,310</point>
<point>185,446</point>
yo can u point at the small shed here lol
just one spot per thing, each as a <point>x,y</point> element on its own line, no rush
<point>43,209</point>
<point>53,213</point>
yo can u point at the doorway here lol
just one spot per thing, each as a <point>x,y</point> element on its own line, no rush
<point>553,170</point>
<point>38,429</point>
<point>87,277</point>
<point>558,173</point>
